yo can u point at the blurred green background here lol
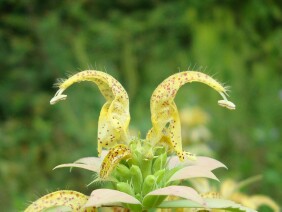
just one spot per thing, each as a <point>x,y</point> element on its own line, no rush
<point>140,43</point>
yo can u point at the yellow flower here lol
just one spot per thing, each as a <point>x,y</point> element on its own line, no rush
<point>114,116</point>
<point>64,200</point>
<point>165,117</point>
<point>145,174</point>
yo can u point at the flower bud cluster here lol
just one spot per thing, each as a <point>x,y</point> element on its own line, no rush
<point>144,172</point>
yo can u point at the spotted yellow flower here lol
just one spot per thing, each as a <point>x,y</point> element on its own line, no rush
<point>139,169</point>
<point>114,117</point>
<point>64,200</point>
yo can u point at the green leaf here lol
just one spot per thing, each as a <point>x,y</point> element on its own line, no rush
<point>209,203</point>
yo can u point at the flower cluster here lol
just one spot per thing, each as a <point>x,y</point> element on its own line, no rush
<point>143,172</point>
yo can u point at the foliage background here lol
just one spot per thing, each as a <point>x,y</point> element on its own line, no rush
<point>140,43</point>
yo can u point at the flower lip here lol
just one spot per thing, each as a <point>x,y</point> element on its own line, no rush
<point>57,98</point>
<point>227,104</point>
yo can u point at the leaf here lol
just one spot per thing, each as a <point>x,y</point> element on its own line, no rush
<point>114,116</point>
<point>209,203</point>
<point>88,163</point>
<point>83,166</point>
<point>202,185</point>
<point>93,161</point>
<point>104,197</point>
<point>179,191</point>
<point>192,172</point>
<point>208,163</point>
<point>164,113</point>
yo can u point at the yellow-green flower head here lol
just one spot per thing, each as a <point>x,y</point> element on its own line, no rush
<point>114,116</point>
<point>139,169</point>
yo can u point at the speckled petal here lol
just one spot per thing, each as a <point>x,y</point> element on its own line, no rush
<point>164,113</point>
<point>71,199</point>
<point>114,117</point>
<point>112,159</point>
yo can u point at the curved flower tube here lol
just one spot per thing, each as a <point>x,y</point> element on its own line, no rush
<point>112,159</point>
<point>63,199</point>
<point>114,116</point>
<point>165,118</point>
